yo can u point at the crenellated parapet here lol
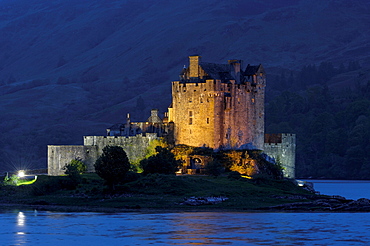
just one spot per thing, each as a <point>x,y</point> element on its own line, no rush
<point>218,105</point>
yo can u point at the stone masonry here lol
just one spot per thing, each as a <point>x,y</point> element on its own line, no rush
<point>220,106</point>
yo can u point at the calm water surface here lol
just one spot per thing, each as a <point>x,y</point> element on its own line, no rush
<point>52,228</point>
<point>68,229</point>
<point>350,189</point>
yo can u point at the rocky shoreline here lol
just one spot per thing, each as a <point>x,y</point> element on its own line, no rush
<point>325,204</point>
<point>313,204</point>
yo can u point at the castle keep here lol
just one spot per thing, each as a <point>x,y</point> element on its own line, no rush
<point>220,106</point>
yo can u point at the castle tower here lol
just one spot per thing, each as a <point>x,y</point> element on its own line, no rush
<point>218,105</point>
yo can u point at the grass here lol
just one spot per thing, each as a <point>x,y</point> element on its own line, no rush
<point>153,191</point>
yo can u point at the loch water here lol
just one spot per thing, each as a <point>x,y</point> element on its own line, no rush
<point>26,227</point>
<point>350,189</point>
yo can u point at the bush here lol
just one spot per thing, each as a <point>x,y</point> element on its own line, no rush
<point>214,168</point>
<point>74,170</point>
<point>131,177</point>
<point>234,175</point>
<point>163,162</point>
<point>112,165</point>
<point>76,165</point>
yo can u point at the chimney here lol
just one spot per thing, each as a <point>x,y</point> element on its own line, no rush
<point>235,69</point>
<point>194,66</point>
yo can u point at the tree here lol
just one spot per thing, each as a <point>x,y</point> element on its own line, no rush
<point>75,165</point>
<point>74,170</point>
<point>163,162</point>
<point>112,165</point>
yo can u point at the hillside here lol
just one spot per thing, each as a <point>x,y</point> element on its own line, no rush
<point>70,68</point>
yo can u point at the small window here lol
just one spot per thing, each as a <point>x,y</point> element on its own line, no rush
<point>190,121</point>
<point>190,113</point>
<point>207,120</point>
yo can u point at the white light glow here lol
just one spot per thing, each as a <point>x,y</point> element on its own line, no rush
<point>21,174</point>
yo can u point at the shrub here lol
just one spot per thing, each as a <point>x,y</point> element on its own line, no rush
<point>76,165</point>
<point>163,162</point>
<point>234,175</point>
<point>214,168</point>
<point>112,165</point>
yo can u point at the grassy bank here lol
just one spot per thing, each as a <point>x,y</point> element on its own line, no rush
<point>153,192</point>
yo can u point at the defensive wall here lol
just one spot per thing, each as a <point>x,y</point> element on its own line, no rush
<point>282,148</point>
<point>60,155</point>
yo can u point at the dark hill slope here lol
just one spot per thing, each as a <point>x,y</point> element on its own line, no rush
<point>71,68</point>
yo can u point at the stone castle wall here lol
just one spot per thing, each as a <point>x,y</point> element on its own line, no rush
<point>282,148</point>
<point>193,113</point>
<point>60,155</point>
<point>215,113</point>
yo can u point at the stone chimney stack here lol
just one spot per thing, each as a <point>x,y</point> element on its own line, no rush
<point>154,118</point>
<point>194,66</point>
<point>235,69</point>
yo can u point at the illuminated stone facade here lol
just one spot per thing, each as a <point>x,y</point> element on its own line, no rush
<point>219,105</point>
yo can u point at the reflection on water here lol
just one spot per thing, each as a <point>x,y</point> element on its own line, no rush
<point>49,228</point>
<point>20,237</point>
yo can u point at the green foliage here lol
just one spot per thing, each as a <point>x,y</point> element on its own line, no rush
<point>150,191</point>
<point>74,170</point>
<point>206,151</point>
<point>112,165</point>
<point>155,183</point>
<point>12,180</point>
<point>249,163</point>
<point>76,165</point>
<point>270,170</point>
<point>214,168</point>
<point>163,162</point>
<point>150,151</point>
<point>47,185</point>
<point>132,176</point>
<point>333,129</point>
<point>233,175</point>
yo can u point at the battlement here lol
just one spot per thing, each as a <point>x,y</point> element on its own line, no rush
<point>220,106</point>
<point>279,138</point>
<point>117,140</point>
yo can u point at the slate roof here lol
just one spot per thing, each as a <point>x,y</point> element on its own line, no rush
<point>217,71</point>
<point>117,126</point>
<point>251,70</point>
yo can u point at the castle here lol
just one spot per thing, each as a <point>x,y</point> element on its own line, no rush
<point>220,106</point>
